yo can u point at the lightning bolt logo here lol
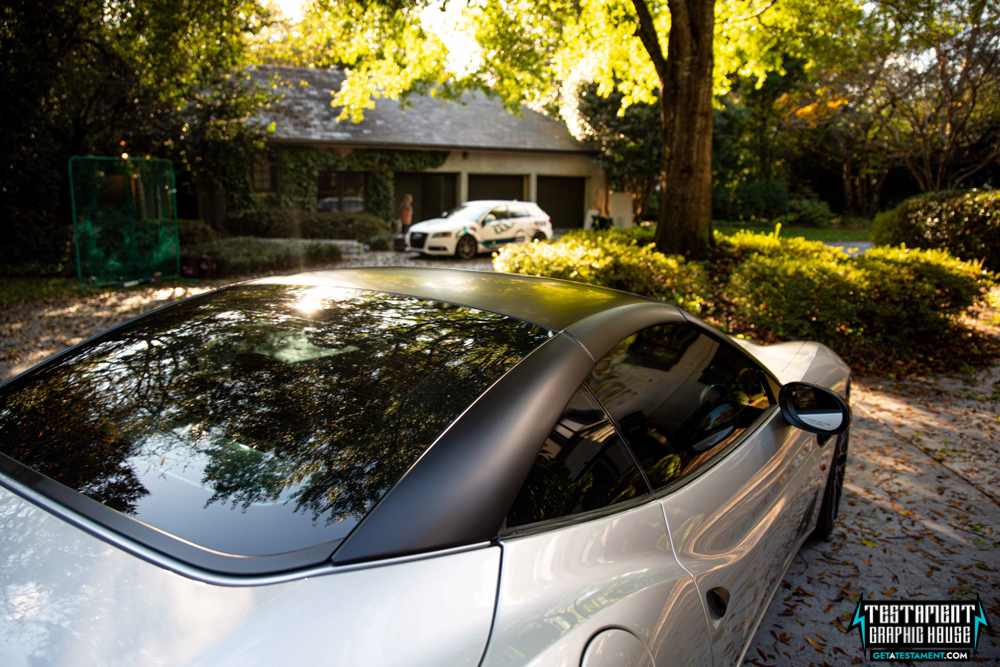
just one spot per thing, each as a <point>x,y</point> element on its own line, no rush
<point>859,620</point>
<point>980,619</point>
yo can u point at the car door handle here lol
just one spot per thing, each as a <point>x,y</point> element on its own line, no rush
<point>718,602</point>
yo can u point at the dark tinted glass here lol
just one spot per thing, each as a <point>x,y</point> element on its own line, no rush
<point>518,211</point>
<point>260,419</point>
<point>679,396</point>
<point>583,465</point>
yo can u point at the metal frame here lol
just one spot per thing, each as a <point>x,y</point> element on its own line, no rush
<point>173,207</point>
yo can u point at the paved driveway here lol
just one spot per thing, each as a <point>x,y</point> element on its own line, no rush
<point>853,248</point>
<point>920,520</point>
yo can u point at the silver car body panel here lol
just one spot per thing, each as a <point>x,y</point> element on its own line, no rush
<point>560,588</point>
<point>799,361</point>
<point>616,648</point>
<point>735,527</point>
<point>69,598</point>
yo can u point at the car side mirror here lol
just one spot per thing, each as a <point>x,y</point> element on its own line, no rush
<point>813,408</point>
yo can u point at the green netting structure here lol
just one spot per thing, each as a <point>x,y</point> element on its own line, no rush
<point>124,219</point>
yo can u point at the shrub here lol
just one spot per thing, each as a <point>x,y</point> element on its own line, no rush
<point>600,258</point>
<point>636,234</point>
<point>808,213</point>
<point>382,242</point>
<point>293,224</point>
<point>745,243</point>
<point>798,297</point>
<point>888,296</point>
<point>966,223</point>
<point>238,255</point>
<point>194,233</point>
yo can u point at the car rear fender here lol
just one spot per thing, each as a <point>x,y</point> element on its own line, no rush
<point>70,598</point>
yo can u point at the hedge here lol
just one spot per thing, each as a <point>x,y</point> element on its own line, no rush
<point>966,223</point>
<point>890,295</point>
<point>878,306</point>
<point>194,233</point>
<point>600,258</point>
<point>240,256</point>
<point>292,224</point>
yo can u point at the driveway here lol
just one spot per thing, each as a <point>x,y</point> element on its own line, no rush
<point>852,248</point>
<point>918,521</point>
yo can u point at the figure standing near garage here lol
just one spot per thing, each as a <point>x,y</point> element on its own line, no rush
<point>406,213</point>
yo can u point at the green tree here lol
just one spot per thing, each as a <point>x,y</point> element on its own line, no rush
<point>105,77</point>
<point>629,139</point>
<point>942,85</point>
<point>381,46</point>
<point>679,54</point>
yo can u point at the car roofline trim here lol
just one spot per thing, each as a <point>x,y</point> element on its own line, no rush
<point>154,557</point>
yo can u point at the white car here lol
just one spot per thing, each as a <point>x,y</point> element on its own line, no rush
<point>480,226</point>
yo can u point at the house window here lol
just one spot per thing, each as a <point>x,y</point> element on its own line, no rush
<point>341,191</point>
<point>265,175</point>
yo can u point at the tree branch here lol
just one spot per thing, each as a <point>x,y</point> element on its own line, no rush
<point>646,32</point>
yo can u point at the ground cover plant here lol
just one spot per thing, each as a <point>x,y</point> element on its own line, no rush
<point>893,310</point>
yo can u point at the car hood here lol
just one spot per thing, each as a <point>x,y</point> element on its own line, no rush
<point>441,225</point>
<point>800,361</point>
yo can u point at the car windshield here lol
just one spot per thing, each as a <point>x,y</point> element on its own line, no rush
<point>258,419</point>
<point>469,211</point>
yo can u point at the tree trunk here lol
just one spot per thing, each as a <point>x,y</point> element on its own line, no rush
<point>685,216</point>
<point>847,173</point>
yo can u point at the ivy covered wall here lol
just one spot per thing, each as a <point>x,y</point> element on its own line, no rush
<point>299,168</point>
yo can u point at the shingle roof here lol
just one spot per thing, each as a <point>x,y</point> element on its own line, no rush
<point>305,115</point>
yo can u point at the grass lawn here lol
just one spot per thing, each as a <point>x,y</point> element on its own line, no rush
<point>20,290</point>
<point>808,233</point>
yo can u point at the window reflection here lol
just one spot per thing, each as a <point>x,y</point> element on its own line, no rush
<point>583,466</point>
<point>679,396</point>
<point>258,419</point>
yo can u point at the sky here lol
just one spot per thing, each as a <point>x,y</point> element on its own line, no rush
<point>447,25</point>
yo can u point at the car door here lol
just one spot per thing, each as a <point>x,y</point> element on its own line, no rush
<point>588,575</point>
<point>524,225</point>
<point>735,480</point>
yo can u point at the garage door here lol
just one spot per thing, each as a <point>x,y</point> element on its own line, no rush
<point>564,199</point>
<point>495,186</point>
<point>432,193</point>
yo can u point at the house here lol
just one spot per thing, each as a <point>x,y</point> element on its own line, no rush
<point>441,153</point>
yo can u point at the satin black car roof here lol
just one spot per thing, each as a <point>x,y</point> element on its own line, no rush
<point>554,304</point>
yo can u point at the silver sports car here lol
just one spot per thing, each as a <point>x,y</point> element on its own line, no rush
<point>410,467</point>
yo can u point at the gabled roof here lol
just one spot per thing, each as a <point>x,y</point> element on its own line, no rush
<point>477,122</point>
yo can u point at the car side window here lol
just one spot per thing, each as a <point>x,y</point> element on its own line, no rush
<point>519,211</point>
<point>500,212</point>
<point>583,465</point>
<point>679,397</point>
